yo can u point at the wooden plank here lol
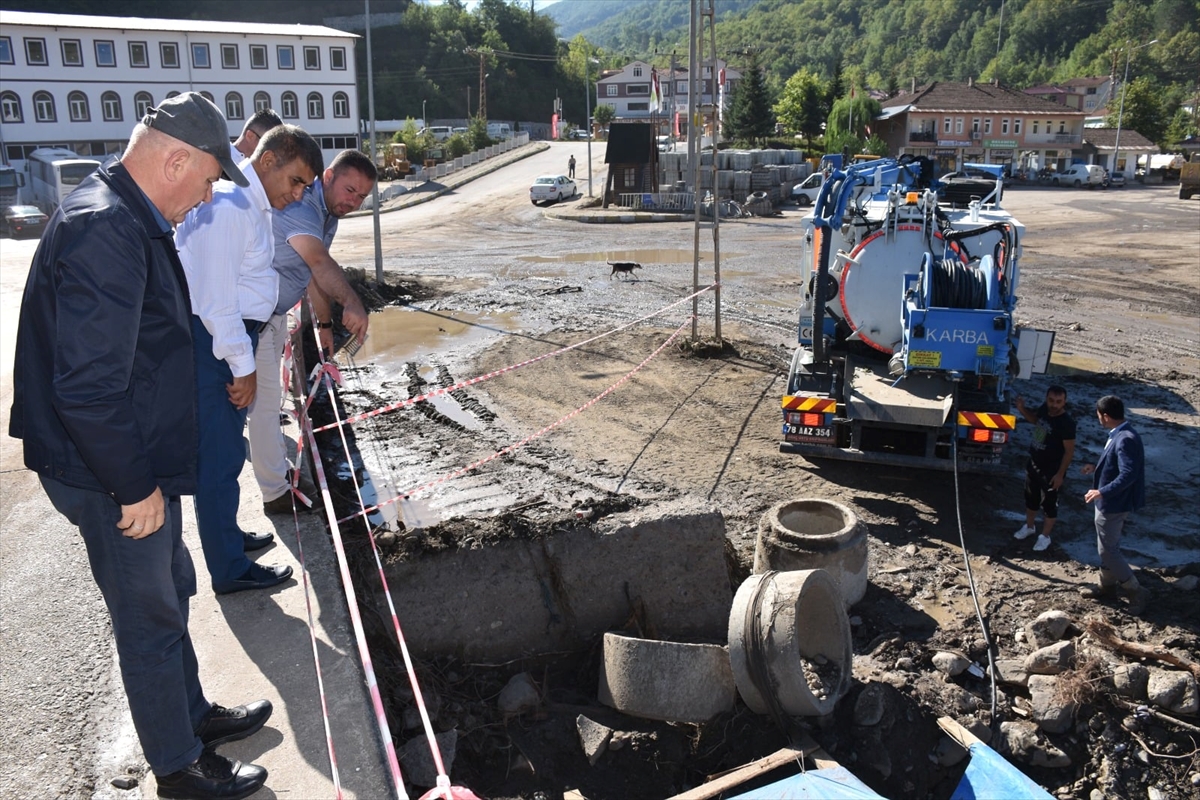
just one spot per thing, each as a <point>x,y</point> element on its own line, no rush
<point>742,774</point>
<point>958,733</point>
<point>806,748</point>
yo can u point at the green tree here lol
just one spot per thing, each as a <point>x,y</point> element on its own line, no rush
<point>604,114</point>
<point>749,117</point>
<point>1182,126</point>
<point>477,135</point>
<point>843,142</point>
<point>1143,110</point>
<point>859,111</point>
<point>800,105</point>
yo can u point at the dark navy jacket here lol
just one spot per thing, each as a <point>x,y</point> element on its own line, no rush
<point>103,383</point>
<point>1121,473</point>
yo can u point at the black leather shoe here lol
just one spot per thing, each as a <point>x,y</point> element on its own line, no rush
<point>257,577</point>
<point>212,777</point>
<point>256,541</point>
<point>223,725</point>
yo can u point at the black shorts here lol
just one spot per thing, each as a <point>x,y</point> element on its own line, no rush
<point>1038,493</point>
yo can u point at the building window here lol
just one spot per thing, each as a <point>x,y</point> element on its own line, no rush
<point>229,56</point>
<point>337,58</point>
<point>288,101</point>
<point>233,106</point>
<point>1016,127</point>
<point>958,124</point>
<point>262,101</point>
<point>168,54</point>
<point>10,107</point>
<point>1035,127</point>
<point>43,107</point>
<point>258,56</point>
<point>142,103</point>
<point>106,54</point>
<point>72,53</point>
<point>110,105</point>
<point>137,55</point>
<point>1004,127</point>
<point>639,106</point>
<point>637,71</point>
<point>946,125</point>
<point>1062,127</point>
<point>286,56</point>
<point>172,93</point>
<point>637,89</point>
<point>77,104</point>
<point>612,90</point>
<point>35,52</point>
<point>312,58</point>
<point>209,97</point>
<point>316,106</point>
<point>6,56</point>
<point>975,125</point>
<point>200,56</point>
<point>987,126</point>
<point>341,104</point>
<point>681,87</point>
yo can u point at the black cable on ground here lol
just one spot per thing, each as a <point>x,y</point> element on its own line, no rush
<point>983,626</point>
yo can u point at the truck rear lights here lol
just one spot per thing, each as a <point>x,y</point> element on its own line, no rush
<point>985,436</point>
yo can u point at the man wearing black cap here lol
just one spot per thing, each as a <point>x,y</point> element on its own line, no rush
<point>104,401</point>
<point>226,248</point>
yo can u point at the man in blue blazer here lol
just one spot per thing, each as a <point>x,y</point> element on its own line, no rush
<point>1118,489</point>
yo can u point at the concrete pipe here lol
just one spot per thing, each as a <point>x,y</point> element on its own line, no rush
<point>815,534</point>
<point>671,681</point>
<point>789,643</point>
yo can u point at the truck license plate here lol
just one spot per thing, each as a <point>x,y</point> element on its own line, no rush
<point>804,433</point>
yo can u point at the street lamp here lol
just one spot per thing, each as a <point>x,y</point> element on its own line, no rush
<point>1121,111</point>
<point>587,89</point>
<point>424,121</point>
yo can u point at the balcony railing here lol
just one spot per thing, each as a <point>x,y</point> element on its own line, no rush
<point>922,136</point>
<point>1053,138</point>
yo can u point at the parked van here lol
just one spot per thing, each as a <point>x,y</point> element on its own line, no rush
<point>1079,175</point>
<point>499,130</point>
<point>440,132</point>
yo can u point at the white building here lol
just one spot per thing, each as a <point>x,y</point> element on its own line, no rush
<point>628,90</point>
<point>82,82</point>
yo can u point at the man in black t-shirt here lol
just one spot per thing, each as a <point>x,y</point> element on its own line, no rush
<point>1050,454</point>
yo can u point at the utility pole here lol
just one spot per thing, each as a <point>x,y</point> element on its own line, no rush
<point>374,156</point>
<point>704,13</point>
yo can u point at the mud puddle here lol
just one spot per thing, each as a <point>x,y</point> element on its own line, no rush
<point>404,333</point>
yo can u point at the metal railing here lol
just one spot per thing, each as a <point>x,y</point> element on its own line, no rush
<point>657,201</point>
<point>470,159</point>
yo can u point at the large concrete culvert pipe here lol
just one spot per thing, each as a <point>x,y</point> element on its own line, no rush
<point>809,533</point>
<point>789,643</point>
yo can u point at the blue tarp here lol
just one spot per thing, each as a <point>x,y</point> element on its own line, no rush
<point>990,777</point>
<point>832,783</point>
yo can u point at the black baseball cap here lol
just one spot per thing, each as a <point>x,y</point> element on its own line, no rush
<point>193,119</point>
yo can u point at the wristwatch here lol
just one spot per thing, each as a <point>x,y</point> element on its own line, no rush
<point>325,324</point>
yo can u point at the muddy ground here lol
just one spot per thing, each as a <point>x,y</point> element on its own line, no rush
<point>1116,275</point>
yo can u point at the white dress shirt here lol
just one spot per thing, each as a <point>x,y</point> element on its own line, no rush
<point>226,247</point>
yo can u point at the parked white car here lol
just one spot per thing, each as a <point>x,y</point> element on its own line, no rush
<point>551,187</point>
<point>805,194</point>
<point>1078,175</point>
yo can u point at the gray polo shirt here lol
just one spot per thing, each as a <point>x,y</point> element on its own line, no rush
<point>305,217</point>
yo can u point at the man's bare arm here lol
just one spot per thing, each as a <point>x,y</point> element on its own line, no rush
<point>327,274</point>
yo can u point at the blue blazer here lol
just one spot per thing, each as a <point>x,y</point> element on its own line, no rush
<point>1121,474</point>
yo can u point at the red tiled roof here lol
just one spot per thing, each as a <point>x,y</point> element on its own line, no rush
<point>942,96</point>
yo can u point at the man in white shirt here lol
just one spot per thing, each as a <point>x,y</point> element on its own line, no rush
<point>226,248</point>
<point>255,128</point>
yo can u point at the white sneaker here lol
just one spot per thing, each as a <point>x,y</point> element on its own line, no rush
<point>1043,542</point>
<point>1024,533</point>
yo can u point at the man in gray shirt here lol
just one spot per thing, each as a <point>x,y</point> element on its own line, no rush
<point>304,231</point>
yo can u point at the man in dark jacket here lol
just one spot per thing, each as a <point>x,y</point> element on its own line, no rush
<point>104,401</point>
<point>1118,489</point>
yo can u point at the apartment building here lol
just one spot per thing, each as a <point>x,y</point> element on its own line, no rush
<point>982,122</point>
<point>628,90</point>
<point>81,81</point>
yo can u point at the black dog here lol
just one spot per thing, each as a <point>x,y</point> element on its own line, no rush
<point>623,267</point>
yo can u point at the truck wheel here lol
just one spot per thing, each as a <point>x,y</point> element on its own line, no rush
<point>803,201</point>
<point>1076,184</point>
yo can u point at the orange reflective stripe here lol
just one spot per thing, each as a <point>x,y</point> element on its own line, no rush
<point>977,419</point>
<point>818,404</point>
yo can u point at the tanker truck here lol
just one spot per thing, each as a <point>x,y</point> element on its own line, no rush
<point>907,347</point>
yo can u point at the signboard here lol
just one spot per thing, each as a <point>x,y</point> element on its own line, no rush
<point>993,144</point>
<point>954,143</point>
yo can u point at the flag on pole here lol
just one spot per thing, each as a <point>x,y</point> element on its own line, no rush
<point>655,92</point>
<point>554,126</point>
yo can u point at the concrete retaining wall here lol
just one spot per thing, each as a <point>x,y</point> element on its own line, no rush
<point>528,597</point>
